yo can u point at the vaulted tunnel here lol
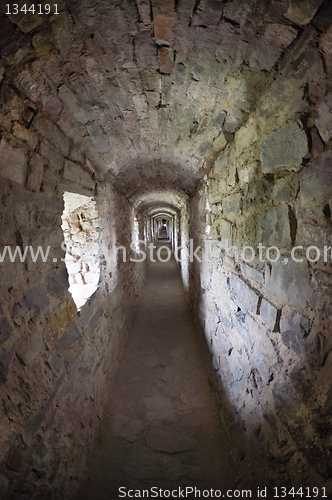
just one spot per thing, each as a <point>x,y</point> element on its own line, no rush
<point>216,117</point>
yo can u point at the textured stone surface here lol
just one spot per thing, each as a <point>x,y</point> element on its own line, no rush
<point>161,439</point>
<point>245,297</point>
<point>274,228</point>
<point>32,427</point>
<point>324,120</point>
<point>6,358</point>
<point>232,205</point>
<point>71,334</point>
<point>55,158</point>
<point>5,326</point>
<point>284,149</point>
<point>269,314</point>
<point>13,162</point>
<point>289,282</point>
<point>301,13</point>
<point>35,175</point>
<point>298,334</point>
<point>53,134</point>
<point>315,179</point>
<point>252,272</point>
<point>75,173</point>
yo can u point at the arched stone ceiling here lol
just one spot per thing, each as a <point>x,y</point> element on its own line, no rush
<point>160,199</point>
<point>156,212</point>
<point>151,91</point>
<point>162,216</point>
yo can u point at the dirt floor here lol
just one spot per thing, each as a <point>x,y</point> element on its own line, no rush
<point>160,427</point>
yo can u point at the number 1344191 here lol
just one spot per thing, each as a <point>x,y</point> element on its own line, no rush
<point>33,9</point>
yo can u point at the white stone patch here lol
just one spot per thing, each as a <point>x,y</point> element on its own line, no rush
<point>80,229</point>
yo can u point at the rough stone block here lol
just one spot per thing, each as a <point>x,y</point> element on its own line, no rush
<point>6,358</point>
<point>88,311</point>
<point>13,162</point>
<point>53,134</point>
<point>98,137</point>
<point>294,328</point>
<point>165,58</point>
<point>258,192</point>
<point>269,314</point>
<point>315,348</point>
<point>5,326</point>
<point>180,74</point>
<point>146,51</point>
<point>35,175</point>
<point>324,120</point>
<point>301,13</point>
<point>144,10</point>
<point>55,362</point>
<point>219,142</point>
<point>57,285</point>
<point>30,305</point>
<point>274,227</point>
<point>5,122</point>
<point>25,135</point>
<point>271,45</point>
<point>289,282</point>
<point>93,323</point>
<point>71,334</point>
<point>26,22</point>
<point>252,273</point>
<point>151,81</point>
<point>32,427</point>
<point>232,205</point>
<point>298,334</point>
<point>215,198</point>
<point>163,29</point>
<point>54,157</point>
<point>284,149</point>
<point>207,14</point>
<point>73,105</point>
<point>58,321</point>
<point>286,188</point>
<point>315,179</point>
<point>73,172</point>
<point>226,231</point>
<point>239,322</point>
<point>325,44</point>
<point>235,362</point>
<point>244,296</point>
<point>15,458</point>
<point>287,402</point>
<point>37,298</point>
<point>310,235</point>
<point>221,164</point>
<point>31,348</point>
<point>263,352</point>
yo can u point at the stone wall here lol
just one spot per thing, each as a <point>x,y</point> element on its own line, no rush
<point>54,361</point>
<point>268,324</point>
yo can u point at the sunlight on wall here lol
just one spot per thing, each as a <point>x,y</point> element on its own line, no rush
<point>81,232</point>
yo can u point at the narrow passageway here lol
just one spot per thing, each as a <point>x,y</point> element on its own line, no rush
<point>160,427</point>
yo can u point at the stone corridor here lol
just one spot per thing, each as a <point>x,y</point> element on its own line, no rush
<point>161,425</point>
<point>206,124</point>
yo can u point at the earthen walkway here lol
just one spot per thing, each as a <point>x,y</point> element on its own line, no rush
<point>160,428</point>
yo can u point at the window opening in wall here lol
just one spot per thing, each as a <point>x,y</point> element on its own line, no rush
<point>162,234</point>
<point>81,233</point>
<point>135,234</point>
